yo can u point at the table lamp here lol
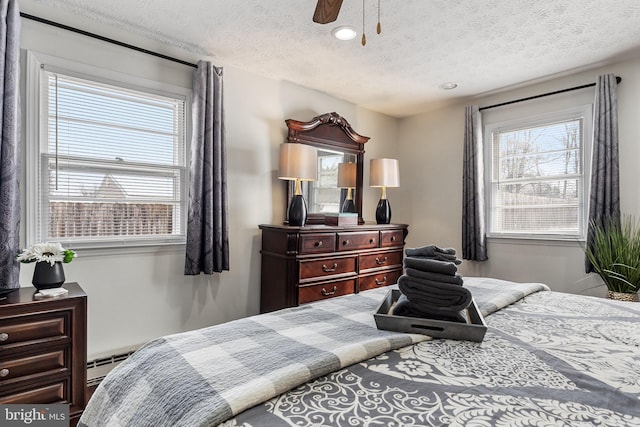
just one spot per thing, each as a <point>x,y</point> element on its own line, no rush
<point>384,173</point>
<point>298,162</point>
<point>347,179</point>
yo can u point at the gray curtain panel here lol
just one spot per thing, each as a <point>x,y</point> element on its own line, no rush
<point>604,196</point>
<point>9,144</point>
<point>474,245</point>
<point>207,229</point>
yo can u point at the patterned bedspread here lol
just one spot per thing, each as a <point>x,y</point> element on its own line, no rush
<point>204,377</point>
<point>550,360</point>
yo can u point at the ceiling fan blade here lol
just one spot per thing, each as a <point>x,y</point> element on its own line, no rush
<point>327,11</point>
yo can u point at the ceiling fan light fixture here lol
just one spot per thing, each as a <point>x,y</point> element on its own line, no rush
<point>344,32</point>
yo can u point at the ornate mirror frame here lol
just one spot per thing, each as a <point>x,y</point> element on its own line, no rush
<point>332,132</point>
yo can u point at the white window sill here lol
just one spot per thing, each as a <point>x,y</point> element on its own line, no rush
<point>536,241</point>
<point>126,250</point>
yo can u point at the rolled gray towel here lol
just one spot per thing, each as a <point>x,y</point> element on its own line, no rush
<point>432,265</point>
<point>429,251</point>
<point>435,296</point>
<point>404,307</point>
<point>442,257</point>
<point>436,277</point>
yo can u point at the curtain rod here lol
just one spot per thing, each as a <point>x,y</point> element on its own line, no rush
<point>105,39</point>
<point>618,80</point>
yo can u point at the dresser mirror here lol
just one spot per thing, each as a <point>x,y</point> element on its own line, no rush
<point>336,143</point>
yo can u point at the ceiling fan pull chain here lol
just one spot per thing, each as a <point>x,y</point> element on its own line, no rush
<point>379,28</point>
<point>364,38</point>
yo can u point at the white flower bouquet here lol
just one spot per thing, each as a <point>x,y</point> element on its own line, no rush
<point>46,252</point>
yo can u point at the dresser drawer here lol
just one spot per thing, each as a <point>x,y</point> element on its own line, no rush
<point>29,328</point>
<point>327,267</point>
<point>39,364</point>
<point>49,393</point>
<point>389,238</point>
<point>325,290</point>
<point>317,243</point>
<point>380,260</point>
<point>384,278</point>
<point>358,240</point>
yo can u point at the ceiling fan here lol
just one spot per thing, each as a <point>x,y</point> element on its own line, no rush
<point>327,11</point>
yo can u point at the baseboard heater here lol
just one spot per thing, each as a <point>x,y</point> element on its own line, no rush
<point>97,369</point>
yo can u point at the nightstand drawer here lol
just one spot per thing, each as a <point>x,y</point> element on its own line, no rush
<point>44,364</point>
<point>50,393</point>
<point>384,278</point>
<point>380,260</point>
<point>389,238</point>
<point>313,270</point>
<point>356,240</point>
<point>325,290</point>
<point>29,328</point>
<point>317,243</point>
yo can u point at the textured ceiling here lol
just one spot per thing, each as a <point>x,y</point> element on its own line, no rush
<point>482,45</point>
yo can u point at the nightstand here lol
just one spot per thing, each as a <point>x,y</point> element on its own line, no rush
<point>43,349</point>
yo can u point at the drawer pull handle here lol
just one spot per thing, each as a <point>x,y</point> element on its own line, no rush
<point>372,240</point>
<point>4,373</point>
<point>345,242</point>
<point>330,269</point>
<point>4,336</point>
<point>326,294</point>
<point>318,244</point>
<point>384,261</point>
<point>381,282</point>
<point>393,238</point>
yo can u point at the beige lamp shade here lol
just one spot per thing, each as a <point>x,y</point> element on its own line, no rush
<point>384,173</point>
<point>347,175</point>
<point>298,161</point>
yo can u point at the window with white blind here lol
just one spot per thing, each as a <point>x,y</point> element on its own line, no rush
<point>537,176</point>
<point>111,163</point>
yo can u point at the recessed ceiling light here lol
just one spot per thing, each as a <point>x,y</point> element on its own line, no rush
<point>449,85</point>
<point>344,32</point>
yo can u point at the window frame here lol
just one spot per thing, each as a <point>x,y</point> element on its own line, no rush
<point>36,137</point>
<point>584,112</point>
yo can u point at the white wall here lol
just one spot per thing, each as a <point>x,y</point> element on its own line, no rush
<point>431,147</point>
<point>134,297</point>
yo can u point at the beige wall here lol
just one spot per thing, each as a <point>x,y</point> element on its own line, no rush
<point>431,156</point>
<point>140,295</point>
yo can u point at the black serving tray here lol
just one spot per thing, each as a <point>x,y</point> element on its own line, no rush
<point>473,330</point>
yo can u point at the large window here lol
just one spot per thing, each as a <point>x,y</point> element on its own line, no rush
<point>111,163</point>
<point>537,176</point>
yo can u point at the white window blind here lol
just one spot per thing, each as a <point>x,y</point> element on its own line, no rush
<point>112,163</point>
<point>537,179</point>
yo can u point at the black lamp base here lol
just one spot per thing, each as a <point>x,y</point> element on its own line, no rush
<point>383,212</point>
<point>348,206</point>
<point>297,212</point>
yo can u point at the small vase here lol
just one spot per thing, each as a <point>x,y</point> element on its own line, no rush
<point>623,296</point>
<point>47,276</point>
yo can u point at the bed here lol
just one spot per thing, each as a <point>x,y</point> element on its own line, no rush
<point>547,358</point>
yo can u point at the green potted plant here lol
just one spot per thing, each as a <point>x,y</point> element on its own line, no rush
<point>615,256</point>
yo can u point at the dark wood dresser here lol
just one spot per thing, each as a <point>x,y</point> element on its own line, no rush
<point>43,349</point>
<point>305,264</point>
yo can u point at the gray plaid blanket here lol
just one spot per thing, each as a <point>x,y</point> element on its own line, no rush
<point>203,377</point>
